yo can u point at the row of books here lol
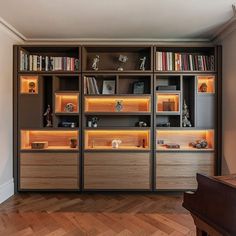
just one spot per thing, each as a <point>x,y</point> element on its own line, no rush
<point>169,61</point>
<point>47,63</point>
<point>90,85</point>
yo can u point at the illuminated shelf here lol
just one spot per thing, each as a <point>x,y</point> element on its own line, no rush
<point>206,84</point>
<point>57,140</point>
<point>184,138</point>
<point>130,139</point>
<point>66,103</point>
<point>168,103</point>
<point>29,84</point>
<point>109,104</point>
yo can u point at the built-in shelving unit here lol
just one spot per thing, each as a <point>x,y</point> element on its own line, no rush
<point>109,117</point>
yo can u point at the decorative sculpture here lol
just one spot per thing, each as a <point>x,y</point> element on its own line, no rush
<point>95,62</point>
<point>48,115</point>
<point>123,59</point>
<point>185,120</point>
<point>115,143</point>
<point>32,87</point>
<point>142,65</point>
<point>119,105</point>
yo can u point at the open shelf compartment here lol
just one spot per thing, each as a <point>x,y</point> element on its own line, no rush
<point>185,140</point>
<point>168,103</point>
<point>206,84</point>
<point>66,102</point>
<point>117,139</point>
<point>50,139</point>
<point>118,104</point>
<point>29,84</point>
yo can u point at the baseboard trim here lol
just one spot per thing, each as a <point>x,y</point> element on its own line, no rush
<point>6,190</point>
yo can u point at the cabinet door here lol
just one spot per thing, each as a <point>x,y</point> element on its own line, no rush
<point>205,114</point>
<point>178,170</point>
<point>49,171</point>
<point>121,171</point>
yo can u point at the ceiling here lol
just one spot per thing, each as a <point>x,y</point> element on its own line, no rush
<point>116,19</point>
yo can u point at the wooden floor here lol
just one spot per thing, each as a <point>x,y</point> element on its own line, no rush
<point>95,214</point>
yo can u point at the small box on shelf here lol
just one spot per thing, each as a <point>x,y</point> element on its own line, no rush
<point>185,140</point>
<point>119,104</point>
<point>29,84</point>
<point>117,139</point>
<point>206,84</point>
<point>66,103</point>
<point>49,140</point>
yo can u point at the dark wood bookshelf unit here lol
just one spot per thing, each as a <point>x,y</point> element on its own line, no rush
<point>121,117</point>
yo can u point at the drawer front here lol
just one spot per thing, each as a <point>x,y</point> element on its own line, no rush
<point>116,177</point>
<point>121,159</point>
<point>49,183</point>
<point>180,183</point>
<point>178,170</point>
<point>49,158</point>
<point>117,171</point>
<point>49,171</point>
<point>178,158</point>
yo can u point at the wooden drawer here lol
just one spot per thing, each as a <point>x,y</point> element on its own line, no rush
<point>117,158</point>
<point>49,158</point>
<point>49,171</point>
<point>178,170</point>
<point>49,183</point>
<point>117,171</point>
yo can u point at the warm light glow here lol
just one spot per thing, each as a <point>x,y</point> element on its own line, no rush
<point>185,137</point>
<point>130,139</point>
<point>55,139</point>
<point>209,81</point>
<point>168,102</point>
<point>134,104</point>
<point>25,84</point>
<point>63,99</point>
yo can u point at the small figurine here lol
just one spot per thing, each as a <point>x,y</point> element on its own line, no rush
<point>94,121</point>
<point>115,143</point>
<point>203,88</point>
<point>48,115</point>
<point>200,144</point>
<point>122,59</point>
<point>185,120</point>
<point>32,87</point>
<point>142,65</point>
<point>119,105</point>
<point>141,124</point>
<point>95,62</point>
<point>69,107</point>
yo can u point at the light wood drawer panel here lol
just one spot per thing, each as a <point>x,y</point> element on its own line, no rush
<point>117,177</point>
<point>183,170</point>
<point>48,183</point>
<point>48,171</point>
<point>49,158</point>
<point>179,158</point>
<point>118,159</point>
<point>172,183</point>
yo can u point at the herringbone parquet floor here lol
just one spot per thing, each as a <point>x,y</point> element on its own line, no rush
<point>95,214</point>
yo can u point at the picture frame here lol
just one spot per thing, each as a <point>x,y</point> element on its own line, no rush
<point>108,87</point>
<point>138,87</point>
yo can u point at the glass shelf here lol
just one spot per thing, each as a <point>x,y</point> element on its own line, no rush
<point>117,140</point>
<point>52,140</point>
<point>118,104</point>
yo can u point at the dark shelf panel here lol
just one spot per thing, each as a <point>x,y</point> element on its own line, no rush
<point>49,72</point>
<point>185,72</point>
<point>118,128</point>
<point>66,114</point>
<point>119,113</point>
<point>118,72</point>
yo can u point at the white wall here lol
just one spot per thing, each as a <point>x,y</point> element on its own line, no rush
<point>229,103</point>
<point>7,39</point>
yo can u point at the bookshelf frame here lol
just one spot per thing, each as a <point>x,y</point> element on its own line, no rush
<point>151,74</point>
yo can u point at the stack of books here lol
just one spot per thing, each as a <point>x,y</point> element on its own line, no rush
<point>90,85</point>
<point>169,61</point>
<point>47,63</point>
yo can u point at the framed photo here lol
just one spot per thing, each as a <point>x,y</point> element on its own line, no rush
<point>138,87</point>
<point>108,87</point>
